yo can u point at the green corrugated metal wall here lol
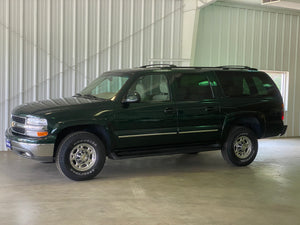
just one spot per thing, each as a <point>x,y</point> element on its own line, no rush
<point>268,39</point>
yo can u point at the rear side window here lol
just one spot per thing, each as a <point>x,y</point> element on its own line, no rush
<point>239,84</point>
<point>192,87</point>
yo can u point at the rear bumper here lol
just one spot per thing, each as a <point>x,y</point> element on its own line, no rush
<point>283,130</point>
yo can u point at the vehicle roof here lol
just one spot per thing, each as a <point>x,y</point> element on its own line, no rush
<point>170,67</point>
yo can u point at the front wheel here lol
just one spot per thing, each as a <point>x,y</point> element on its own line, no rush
<point>240,147</point>
<point>80,156</point>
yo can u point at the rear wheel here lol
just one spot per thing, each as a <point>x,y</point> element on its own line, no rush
<point>240,147</point>
<point>192,153</point>
<point>80,156</point>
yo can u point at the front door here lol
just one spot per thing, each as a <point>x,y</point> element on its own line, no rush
<point>150,122</point>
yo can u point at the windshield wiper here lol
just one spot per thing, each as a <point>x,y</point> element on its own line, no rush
<point>77,95</point>
<point>88,96</point>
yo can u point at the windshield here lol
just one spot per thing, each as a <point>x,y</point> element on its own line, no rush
<point>104,87</point>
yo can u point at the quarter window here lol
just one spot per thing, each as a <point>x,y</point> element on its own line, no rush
<point>239,84</point>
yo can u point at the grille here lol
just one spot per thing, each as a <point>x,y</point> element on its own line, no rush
<point>18,130</point>
<point>17,124</point>
<point>18,119</point>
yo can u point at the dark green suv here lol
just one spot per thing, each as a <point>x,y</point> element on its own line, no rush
<point>151,110</point>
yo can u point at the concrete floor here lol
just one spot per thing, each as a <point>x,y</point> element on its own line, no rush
<point>181,189</point>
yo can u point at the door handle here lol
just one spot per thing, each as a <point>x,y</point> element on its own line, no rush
<point>210,108</point>
<point>168,110</point>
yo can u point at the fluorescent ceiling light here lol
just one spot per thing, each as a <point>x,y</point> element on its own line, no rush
<point>263,2</point>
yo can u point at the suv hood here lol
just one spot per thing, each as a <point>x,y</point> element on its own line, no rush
<point>44,107</point>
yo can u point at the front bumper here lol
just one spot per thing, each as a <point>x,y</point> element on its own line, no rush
<point>38,151</point>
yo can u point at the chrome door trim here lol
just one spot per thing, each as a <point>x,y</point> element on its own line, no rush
<point>145,135</point>
<point>197,131</point>
<point>168,133</point>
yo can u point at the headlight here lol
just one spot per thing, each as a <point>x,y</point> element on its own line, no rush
<point>36,133</point>
<point>30,126</point>
<point>36,127</point>
<point>34,121</point>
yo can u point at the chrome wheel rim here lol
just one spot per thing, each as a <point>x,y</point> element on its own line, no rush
<point>242,147</point>
<point>83,157</point>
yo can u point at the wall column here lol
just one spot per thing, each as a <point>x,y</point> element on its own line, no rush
<point>189,27</point>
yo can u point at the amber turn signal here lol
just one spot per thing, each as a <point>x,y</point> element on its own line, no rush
<point>42,134</point>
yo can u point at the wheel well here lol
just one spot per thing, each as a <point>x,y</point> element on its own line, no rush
<point>94,129</point>
<point>250,122</point>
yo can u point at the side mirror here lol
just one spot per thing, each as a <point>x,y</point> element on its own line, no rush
<point>132,98</point>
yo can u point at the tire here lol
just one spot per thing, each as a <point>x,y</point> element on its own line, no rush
<point>80,156</point>
<point>241,146</point>
<point>192,153</point>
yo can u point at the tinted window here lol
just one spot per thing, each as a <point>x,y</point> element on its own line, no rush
<point>238,84</point>
<point>192,87</point>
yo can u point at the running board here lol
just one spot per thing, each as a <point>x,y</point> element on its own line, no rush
<point>143,152</point>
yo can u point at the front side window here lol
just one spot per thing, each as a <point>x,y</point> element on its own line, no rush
<point>106,86</point>
<point>151,88</point>
<point>192,87</point>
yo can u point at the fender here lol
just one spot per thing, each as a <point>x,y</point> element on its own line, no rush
<point>253,120</point>
<point>99,129</point>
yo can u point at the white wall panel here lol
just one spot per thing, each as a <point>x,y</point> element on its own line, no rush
<point>268,39</point>
<point>53,48</point>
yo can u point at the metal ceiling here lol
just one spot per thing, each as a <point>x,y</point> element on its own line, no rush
<point>287,4</point>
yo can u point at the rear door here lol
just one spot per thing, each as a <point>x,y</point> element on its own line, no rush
<point>199,118</point>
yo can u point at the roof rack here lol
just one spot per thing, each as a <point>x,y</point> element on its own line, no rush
<point>227,67</point>
<point>196,67</point>
<point>159,65</point>
<point>236,67</point>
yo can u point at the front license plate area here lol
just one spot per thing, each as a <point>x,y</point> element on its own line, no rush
<point>8,144</point>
